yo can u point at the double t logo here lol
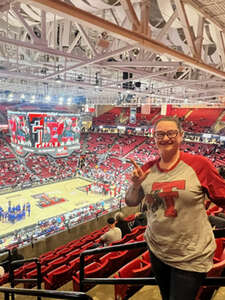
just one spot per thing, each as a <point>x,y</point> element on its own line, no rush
<point>165,191</point>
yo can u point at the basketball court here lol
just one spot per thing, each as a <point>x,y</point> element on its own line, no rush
<point>48,201</point>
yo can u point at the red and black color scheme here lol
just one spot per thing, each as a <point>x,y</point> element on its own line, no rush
<point>57,134</point>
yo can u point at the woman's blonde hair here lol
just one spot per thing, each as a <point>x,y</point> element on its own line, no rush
<point>119,216</point>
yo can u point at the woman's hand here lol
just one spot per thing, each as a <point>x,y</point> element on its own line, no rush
<point>138,175</point>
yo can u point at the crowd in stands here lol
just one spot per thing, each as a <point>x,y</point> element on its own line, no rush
<point>114,164</point>
<point>52,225</point>
<point>106,161</point>
<point>62,264</point>
<point>5,152</point>
<point>48,168</point>
<point>13,173</point>
<point>198,120</point>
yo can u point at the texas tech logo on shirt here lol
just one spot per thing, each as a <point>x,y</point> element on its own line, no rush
<point>163,195</point>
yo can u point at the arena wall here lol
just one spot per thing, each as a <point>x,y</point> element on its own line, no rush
<point>54,241</point>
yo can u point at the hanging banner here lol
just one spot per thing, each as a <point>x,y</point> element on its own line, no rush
<point>133,115</point>
<point>146,108</point>
<point>166,109</point>
<point>163,110</point>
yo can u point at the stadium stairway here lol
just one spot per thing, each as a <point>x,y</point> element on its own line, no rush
<point>188,114</point>
<point>218,125</point>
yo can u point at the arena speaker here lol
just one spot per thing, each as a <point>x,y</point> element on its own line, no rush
<point>128,85</point>
<point>137,84</point>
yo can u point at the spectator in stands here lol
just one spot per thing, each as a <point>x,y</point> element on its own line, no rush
<point>16,256</point>
<point>114,233</point>
<point>178,234</point>
<point>140,219</point>
<point>122,224</point>
<point>2,271</point>
<point>217,222</point>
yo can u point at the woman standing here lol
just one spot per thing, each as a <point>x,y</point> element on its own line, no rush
<point>178,234</point>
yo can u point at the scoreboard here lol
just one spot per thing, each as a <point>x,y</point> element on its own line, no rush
<point>57,134</point>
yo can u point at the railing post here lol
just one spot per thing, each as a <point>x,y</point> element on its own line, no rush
<point>81,272</point>
<point>6,296</point>
<point>11,278</point>
<point>39,278</point>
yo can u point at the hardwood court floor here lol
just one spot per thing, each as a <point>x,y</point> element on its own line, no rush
<point>69,190</point>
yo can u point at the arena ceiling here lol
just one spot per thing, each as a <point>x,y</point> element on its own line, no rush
<point>113,51</point>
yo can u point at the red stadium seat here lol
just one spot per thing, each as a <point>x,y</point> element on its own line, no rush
<point>48,258</point>
<point>205,293</point>
<point>18,273</point>
<point>4,279</point>
<point>58,249</point>
<point>219,252</point>
<point>121,241</point>
<point>130,218</point>
<point>146,256</point>
<point>134,269</point>
<point>135,232</point>
<point>95,269</point>
<point>87,246</point>
<point>214,210</point>
<point>75,264</point>
<point>29,267</point>
<point>63,251</point>
<point>73,254</point>
<point>140,237</point>
<point>56,263</point>
<point>115,261</point>
<point>139,229</point>
<point>132,253</point>
<point>33,275</point>
<point>58,277</point>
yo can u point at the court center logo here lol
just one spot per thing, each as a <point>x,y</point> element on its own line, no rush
<point>46,200</point>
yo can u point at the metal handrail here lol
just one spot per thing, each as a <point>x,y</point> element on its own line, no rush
<point>45,293</point>
<point>104,250</point>
<point>209,281</point>
<point>13,281</point>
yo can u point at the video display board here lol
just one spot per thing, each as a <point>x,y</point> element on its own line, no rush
<point>44,132</point>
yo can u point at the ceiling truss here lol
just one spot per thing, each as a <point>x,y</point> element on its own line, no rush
<point>168,51</point>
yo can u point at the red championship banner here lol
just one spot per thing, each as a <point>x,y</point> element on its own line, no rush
<point>166,109</point>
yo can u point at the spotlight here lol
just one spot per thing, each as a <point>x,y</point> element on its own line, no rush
<point>48,98</point>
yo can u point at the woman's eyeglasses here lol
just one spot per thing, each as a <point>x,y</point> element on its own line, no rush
<point>159,135</point>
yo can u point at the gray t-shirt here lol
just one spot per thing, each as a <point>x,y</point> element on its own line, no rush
<point>112,235</point>
<point>178,230</point>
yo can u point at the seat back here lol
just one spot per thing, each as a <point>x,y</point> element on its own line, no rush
<point>146,256</point>
<point>219,248</point>
<point>58,277</point>
<point>133,269</point>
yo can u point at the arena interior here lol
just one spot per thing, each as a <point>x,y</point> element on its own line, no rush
<point>82,84</point>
